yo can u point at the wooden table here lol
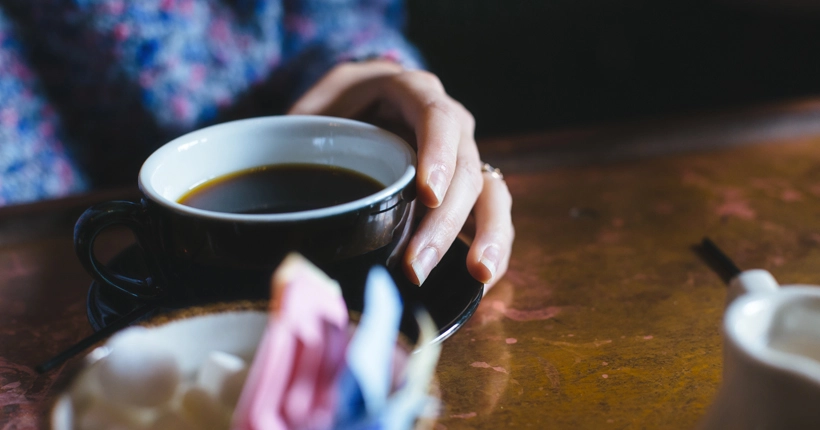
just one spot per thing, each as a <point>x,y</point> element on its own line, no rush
<point>606,318</point>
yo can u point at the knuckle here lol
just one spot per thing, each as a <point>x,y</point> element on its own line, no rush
<point>402,80</point>
<point>467,117</point>
<point>441,107</point>
<point>469,120</point>
<point>450,225</point>
<point>426,78</point>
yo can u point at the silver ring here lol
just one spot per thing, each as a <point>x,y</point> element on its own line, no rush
<point>493,171</point>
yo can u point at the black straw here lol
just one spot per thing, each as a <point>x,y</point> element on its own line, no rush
<point>95,337</point>
<point>717,260</point>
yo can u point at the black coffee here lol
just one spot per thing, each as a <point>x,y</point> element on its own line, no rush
<point>281,188</point>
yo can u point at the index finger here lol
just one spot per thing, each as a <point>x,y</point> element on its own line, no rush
<point>436,119</point>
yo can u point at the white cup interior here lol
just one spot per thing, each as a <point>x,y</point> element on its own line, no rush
<point>189,160</point>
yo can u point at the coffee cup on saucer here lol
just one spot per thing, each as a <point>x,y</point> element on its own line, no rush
<point>222,206</point>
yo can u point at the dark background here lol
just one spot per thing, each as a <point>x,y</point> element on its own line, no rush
<point>535,65</point>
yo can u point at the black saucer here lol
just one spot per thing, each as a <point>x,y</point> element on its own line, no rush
<point>450,294</point>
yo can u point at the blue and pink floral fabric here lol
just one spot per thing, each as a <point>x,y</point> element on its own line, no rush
<point>89,87</point>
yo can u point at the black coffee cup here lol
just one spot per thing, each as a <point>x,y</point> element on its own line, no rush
<point>195,254</point>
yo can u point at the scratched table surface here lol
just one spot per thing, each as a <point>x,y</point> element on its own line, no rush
<point>607,318</point>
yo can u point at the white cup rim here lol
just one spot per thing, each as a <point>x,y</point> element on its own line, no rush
<point>155,160</point>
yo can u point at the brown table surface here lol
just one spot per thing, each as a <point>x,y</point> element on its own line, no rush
<point>606,318</point>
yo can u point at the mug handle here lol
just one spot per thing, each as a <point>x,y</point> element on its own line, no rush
<point>96,219</point>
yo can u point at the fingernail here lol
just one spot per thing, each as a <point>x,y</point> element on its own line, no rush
<point>437,181</point>
<point>489,259</point>
<point>424,263</point>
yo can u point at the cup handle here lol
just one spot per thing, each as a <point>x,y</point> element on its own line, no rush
<point>752,281</point>
<point>96,219</point>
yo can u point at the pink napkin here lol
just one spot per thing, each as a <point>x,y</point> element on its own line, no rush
<point>292,380</point>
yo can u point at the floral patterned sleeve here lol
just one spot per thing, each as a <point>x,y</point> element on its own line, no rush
<point>319,34</point>
<point>34,164</point>
<point>124,76</point>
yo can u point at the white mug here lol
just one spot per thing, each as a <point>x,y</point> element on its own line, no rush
<point>771,369</point>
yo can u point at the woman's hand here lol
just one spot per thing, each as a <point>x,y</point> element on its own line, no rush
<point>450,180</point>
